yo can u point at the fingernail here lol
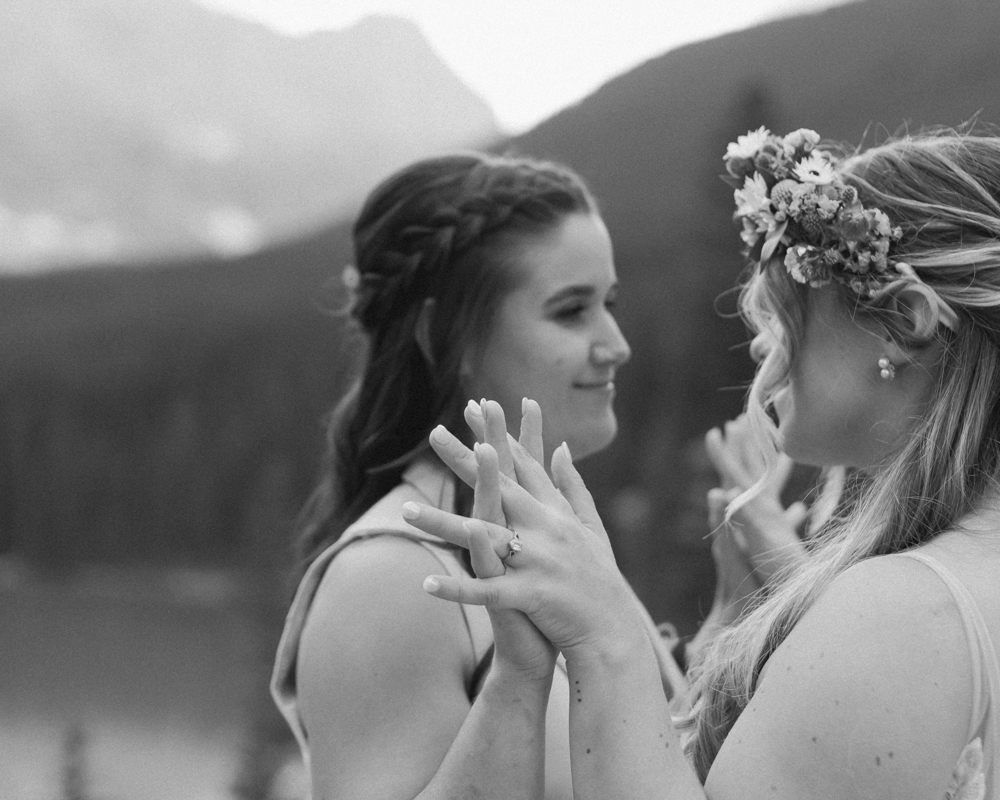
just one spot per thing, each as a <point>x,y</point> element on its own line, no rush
<point>569,455</point>
<point>439,435</point>
<point>524,405</point>
<point>474,408</point>
<point>482,407</point>
<point>431,584</point>
<point>410,510</point>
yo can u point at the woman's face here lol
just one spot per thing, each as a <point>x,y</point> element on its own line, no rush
<point>555,339</point>
<point>836,408</point>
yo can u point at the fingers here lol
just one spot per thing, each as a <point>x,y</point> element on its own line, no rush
<point>486,553</point>
<point>474,419</point>
<point>738,458</point>
<point>471,591</point>
<point>731,473</point>
<point>496,434</point>
<point>779,476</point>
<point>486,560</point>
<point>572,487</point>
<point>796,514</point>
<point>450,527</point>
<point>531,430</point>
<point>718,499</point>
<point>456,456</point>
<point>487,504</point>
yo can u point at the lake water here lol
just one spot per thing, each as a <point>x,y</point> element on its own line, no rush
<point>126,685</point>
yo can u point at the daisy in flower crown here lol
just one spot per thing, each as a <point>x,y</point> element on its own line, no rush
<point>795,206</point>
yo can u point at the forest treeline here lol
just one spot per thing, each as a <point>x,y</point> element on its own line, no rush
<point>173,414</point>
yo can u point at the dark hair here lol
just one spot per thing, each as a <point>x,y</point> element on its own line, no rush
<point>445,229</point>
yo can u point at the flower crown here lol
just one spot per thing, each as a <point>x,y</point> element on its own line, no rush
<point>795,205</point>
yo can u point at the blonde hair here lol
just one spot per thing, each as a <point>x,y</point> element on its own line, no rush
<point>943,188</point>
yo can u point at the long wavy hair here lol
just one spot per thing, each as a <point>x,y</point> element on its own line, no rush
<point>439,237</point>
<point>943,188</point>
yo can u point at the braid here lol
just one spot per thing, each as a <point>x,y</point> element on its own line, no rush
<point>442,230</point>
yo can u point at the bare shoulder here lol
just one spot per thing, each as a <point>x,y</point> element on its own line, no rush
<point>381,672</point>
<point>851,690</point>
<point>371,596</point>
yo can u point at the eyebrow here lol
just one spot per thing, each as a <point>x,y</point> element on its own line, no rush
<point>577,292</point>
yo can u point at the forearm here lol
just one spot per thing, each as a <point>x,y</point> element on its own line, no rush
<point>622,742</point>
<point>500,750</point>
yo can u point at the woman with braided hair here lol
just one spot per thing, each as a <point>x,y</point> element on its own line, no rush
<point>475,276</point>
<point>870,668</point>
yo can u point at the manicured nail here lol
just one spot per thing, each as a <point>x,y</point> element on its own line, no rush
<point>410,510</point>
<point>524,405</point>
<point>482,407</point>
<point>569,455</point>
<point>431,584</point>
<point>474,408</point>
<point>439,435</point>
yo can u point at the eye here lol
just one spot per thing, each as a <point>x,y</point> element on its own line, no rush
<point>570,312</point>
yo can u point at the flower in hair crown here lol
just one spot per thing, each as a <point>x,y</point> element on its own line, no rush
<point>795,206</point>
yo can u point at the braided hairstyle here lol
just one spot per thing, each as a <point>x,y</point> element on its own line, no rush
<point>440,238</point>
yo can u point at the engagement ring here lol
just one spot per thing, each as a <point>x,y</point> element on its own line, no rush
<point>514,545</point>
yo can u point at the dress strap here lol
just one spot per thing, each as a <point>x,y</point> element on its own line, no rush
<point>985,720</point>
<point>448,556</point>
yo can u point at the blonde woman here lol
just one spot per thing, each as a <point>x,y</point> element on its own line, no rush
<point>870,670</point>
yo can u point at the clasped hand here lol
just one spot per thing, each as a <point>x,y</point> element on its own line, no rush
<point>565,579</point>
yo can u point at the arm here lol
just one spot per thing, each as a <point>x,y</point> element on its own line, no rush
<point>878,655</point>
<point>381,676</point>
<point>867,697</point>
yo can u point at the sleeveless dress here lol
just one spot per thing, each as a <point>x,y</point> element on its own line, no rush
<point>975,776</point>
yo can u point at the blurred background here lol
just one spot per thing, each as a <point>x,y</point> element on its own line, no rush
<point>177,181</point>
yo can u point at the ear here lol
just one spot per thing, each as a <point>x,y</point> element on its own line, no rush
<point>920,315</point>
<point>422,331</point>
<point>920,312</point>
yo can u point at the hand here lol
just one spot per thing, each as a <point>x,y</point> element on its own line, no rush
<point>762,529</point>
<point>735,579</point>
<point>565,578</point>
<point>519,644</point>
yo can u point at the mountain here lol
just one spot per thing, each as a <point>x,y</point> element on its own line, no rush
<point>136,129</point>
<point>650,143</point>
<point>177,409</point>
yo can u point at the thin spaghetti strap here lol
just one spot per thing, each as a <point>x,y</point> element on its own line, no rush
<point>985,720</point>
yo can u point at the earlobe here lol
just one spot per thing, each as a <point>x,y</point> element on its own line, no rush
<point>422,331</point>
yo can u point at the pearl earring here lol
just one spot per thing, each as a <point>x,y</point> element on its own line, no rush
<point>886,369</point>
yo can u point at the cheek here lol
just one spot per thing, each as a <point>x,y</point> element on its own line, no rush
<point>827,421</point>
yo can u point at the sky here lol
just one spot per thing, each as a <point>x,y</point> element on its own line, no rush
<point>530,58</point>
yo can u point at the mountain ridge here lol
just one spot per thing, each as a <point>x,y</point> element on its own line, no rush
<point>242,342</point>
<point>162,126</point>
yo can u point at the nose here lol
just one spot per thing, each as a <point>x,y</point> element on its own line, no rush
<point>761,345</point>
<point>611,348</point>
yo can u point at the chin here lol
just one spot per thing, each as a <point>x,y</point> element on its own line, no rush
<point>594,440</point>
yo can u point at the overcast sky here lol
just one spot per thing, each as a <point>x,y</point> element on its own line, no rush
<point>530,58</point>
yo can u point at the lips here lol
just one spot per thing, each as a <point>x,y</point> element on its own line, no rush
<point>606,385</point>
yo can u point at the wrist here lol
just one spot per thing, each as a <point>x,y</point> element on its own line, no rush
<point>614,651</point>
<point>512,677</point>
